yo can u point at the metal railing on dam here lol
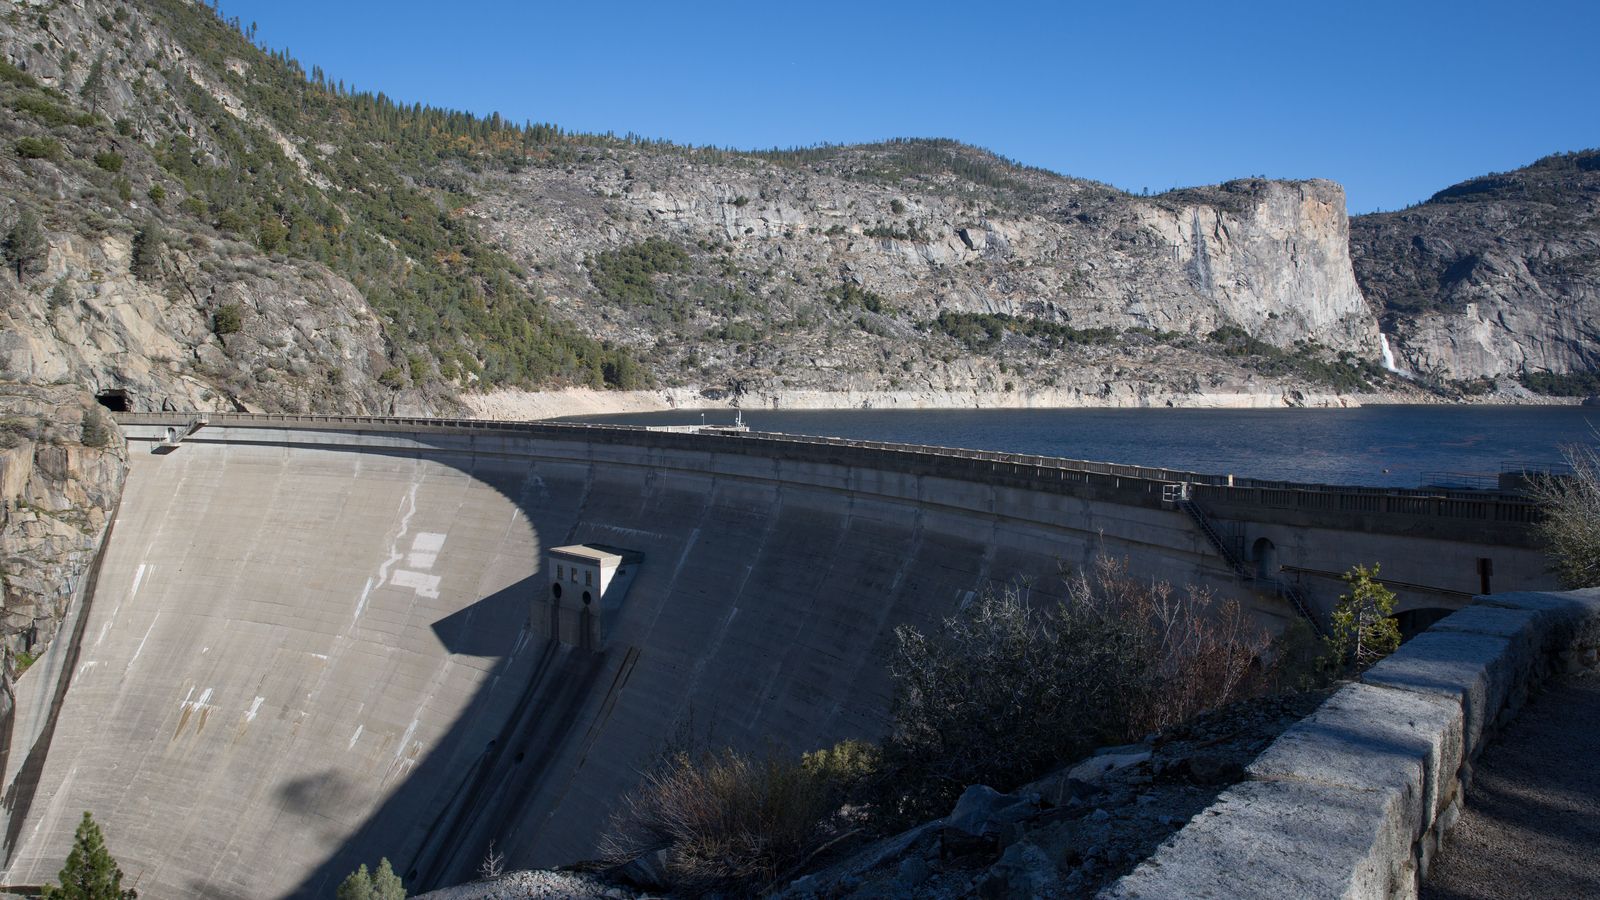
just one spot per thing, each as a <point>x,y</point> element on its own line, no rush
<point>1490,516</point>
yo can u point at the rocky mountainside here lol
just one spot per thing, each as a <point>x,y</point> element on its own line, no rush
<point>1498,275</point>
<point>920,268</point>
<point>62,462</point>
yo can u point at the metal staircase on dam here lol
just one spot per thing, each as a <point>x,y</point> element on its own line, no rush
<point>1275,585</point>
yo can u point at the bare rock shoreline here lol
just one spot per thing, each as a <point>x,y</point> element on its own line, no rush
<point>520,405</point>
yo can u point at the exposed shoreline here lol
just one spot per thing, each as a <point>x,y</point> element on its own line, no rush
<point>520,405</point>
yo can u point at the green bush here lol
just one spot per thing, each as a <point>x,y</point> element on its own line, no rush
<point>393,378</point>
<point>48,111</point>
<point>111,162</point>
<point>1344,372</point>
<point>228,319</point>
<point>233,220</point>
<point>1565,384</point>
<point>849,294</point>
<point>981,332</point>
<point>157,194</point>
<point>149,245</point>
<point>96,433</point>
<point>38,148</point>
<point>14,75</point>
<point>627,276</point>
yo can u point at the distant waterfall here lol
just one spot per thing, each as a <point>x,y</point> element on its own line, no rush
<point>1388,355</point>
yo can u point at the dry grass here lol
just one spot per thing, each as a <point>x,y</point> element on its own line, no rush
<point>1006,690</point>
<point>729,822</point>
<point>1571,527</point>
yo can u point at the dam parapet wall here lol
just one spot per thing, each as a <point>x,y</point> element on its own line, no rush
<point>1452,514</point>
<point>1354,801</point>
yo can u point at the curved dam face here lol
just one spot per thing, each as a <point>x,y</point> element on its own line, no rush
<point>308,648</point>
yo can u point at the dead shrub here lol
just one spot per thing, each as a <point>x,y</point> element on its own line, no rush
<point>1006,690</point>
<point>1571,524</point>
<point>728,821</point>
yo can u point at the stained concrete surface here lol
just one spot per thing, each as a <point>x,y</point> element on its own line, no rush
<point>303,657</point>
<point>1531,827</point>
<point>309,649</point>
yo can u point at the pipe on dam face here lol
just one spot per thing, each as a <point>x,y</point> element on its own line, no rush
<point>311,648</point>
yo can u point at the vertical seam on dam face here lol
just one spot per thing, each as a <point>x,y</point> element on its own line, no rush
<point>338,656</point>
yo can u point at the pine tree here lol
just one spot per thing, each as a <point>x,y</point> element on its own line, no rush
<point>383,884</point>
<point>1364,630</point>
<point>89,873</point>
<point>94,84</point>
<point>356,886</point>
<point>147,246</point>
<point>386,884</point>
<point>25,245</point>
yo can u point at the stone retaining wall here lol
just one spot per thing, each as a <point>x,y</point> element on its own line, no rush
<point>1352,802</point>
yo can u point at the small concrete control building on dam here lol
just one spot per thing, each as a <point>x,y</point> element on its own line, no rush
<point>313,641</point>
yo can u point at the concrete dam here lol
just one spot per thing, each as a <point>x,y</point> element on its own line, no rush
<point>313,641</point>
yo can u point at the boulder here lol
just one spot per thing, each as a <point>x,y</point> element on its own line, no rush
<point>1024,871</point>
<point>974,825</point>
<point>1094,769</point>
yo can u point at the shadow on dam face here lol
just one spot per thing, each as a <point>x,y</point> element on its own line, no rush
<point>306,652</point>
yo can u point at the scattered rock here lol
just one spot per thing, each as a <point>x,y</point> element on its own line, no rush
<point>1097,767</point>
<point>1024,872</point>
<point>913,871</point>
<point>974,825</point>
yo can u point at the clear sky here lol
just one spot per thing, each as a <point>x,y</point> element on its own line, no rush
<point>1393,99</point>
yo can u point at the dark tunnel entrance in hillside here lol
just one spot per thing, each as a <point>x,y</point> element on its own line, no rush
<point>116,400</point>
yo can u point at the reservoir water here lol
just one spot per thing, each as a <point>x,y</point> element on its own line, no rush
<point>1395,446</point>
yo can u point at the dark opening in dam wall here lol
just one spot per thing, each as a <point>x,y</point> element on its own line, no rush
<point>312,641</point>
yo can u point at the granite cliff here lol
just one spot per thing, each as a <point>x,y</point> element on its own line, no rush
<point>911,269</point>
<point>1495,276</point>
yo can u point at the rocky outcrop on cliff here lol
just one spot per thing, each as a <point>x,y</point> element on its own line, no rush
<point>62,462</point>
<point>1498,275</point>
<point>130,289</point>
<point>865,269</point>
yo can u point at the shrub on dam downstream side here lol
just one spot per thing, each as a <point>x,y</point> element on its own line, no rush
<point>1002,693</point>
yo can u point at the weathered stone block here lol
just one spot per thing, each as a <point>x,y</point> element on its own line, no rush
<point>1519,626</point>
<point>1253,843</point>
<point>1372,738</point>
<point>1476,669</point>
<point>1569,619</point>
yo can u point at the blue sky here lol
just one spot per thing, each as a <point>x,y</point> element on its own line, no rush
<point>1394,100</point>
